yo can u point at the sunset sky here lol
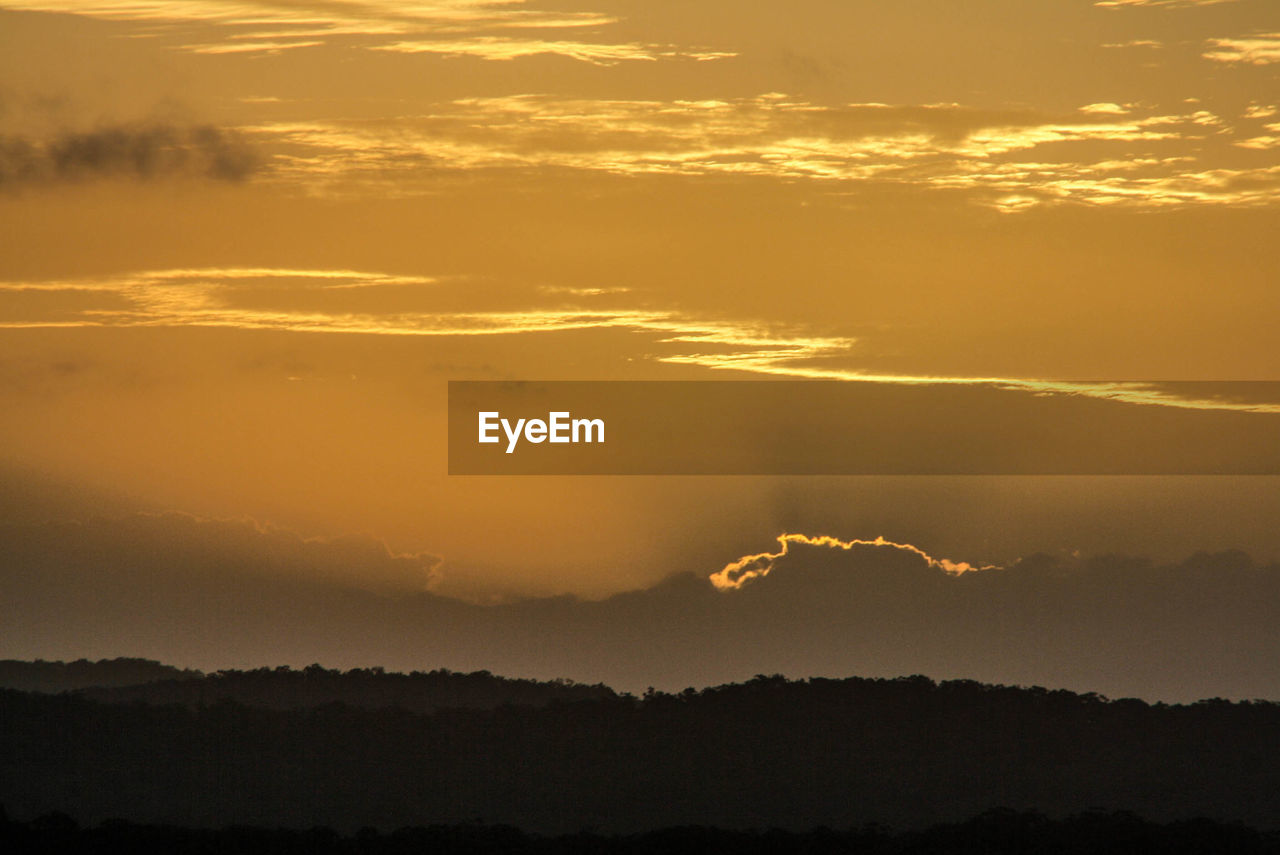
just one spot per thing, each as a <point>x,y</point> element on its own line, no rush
<point>244,246</point>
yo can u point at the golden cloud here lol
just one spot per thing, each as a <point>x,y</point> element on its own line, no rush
<point>1104,153</point>
<point>750,567</point>
<point>214,298</point>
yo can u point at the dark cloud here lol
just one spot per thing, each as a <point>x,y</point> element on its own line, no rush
<point>175,555</point>
<point>232,594</point>
<point>131,151</point>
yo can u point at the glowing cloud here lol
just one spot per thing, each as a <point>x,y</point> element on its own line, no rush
<point>444,27</point>
<point>749,567</point>
<point>1104,153</point>
<point>1105,107</point>
<point>1260,143</point>
<point>1262,49</point>
<point>502,48</point>
<point>1164,4</point>
<point>209,297</point>
<point>358,17</point>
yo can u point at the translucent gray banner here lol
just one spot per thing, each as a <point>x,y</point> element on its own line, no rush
<point>863,428</point>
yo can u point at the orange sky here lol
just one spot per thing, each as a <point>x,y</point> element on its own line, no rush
<point>244,245</point>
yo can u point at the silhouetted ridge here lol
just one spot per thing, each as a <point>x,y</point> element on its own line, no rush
<point>370,688</point>
<point>43,676</point>
<point>906,752</point>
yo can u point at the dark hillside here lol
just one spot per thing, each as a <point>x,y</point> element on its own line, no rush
<point>908,753</point>
<point>369,688</point>
<point>44,676</point>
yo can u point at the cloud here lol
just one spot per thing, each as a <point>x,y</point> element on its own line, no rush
<point>486,29</point>
<point>174,551</point>
<point>139,152</point>
<point>1260,143</point>
<point>1104,154</point>
<point>1162,4</point>
<point>328,17</point>
<point>506,49</point>
<point>214,594</point>
<point>1261,49</point>
<point>250,46</point>
<point>749,567</point>
<point>302,301</point>
<point>341,301</point>
<point>1105,108</point>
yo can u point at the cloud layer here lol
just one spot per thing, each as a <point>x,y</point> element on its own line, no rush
<point>216,594</point>
<point>485,29</point>
<point>141,152</point>
<point>375,303</point>
<point>1103,154</point>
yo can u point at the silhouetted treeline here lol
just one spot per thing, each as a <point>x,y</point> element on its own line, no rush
<point>43,676</point>
<point>769,752</point>
<point>369,688</point>
<point>992,833</point>
<point>146,681</point>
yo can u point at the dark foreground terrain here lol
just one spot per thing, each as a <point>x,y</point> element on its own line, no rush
<point>993,833</point>
<point>907,754</point>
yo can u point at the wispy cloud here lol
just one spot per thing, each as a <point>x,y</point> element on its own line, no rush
<point>484,29</point>
<point>326,16</point>
<point>1260,49</point>
<point>1104,153</point>
<point>207,297</point>
<point>223,298</point>
<point>1266,141</point>
<point>1136,43</point>
<point>506,48</point>
<point>1162,4</point>
<point>250,46</point>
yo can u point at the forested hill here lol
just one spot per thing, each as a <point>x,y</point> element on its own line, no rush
<point>45,676</point>
<point>367,688</point>
<point>283,688</point>
<point>767,753</point>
